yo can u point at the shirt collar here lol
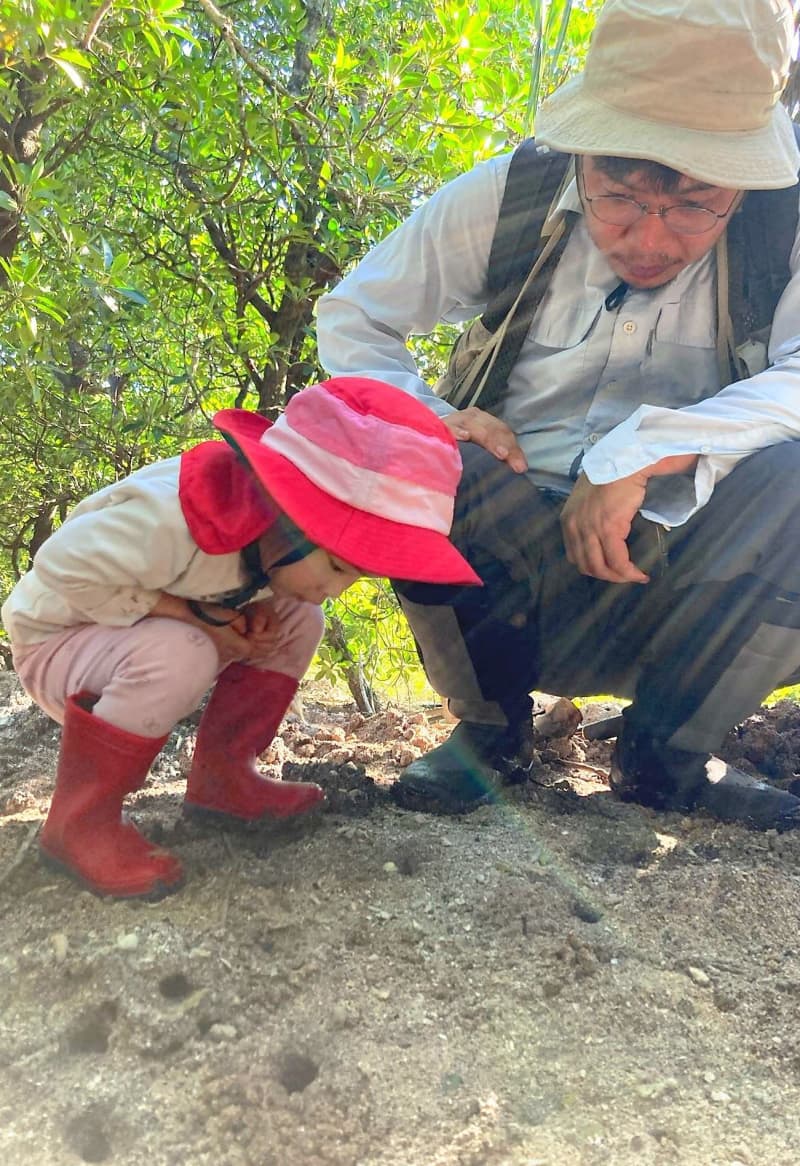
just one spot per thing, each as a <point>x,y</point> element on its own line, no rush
<point>567,200</point>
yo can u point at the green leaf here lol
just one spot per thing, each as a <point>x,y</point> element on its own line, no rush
<point>70,71</point>
<point>50,308</point>
<point>130,293</point>
<point>75,57</point>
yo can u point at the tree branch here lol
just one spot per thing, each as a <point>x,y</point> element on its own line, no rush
<point>97,20</point>
<point>226,28</point>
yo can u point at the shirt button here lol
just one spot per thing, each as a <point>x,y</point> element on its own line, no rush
<point>629,327</point>
<point>594,438</point>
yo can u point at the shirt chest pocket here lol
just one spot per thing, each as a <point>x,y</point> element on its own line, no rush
<point>680,360</point>
<point>557,328</point>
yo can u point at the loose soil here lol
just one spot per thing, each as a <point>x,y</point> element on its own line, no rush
<point>556,979</point>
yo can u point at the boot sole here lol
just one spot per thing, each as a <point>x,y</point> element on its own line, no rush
<point>432,800</point>
<point>201,814</point>
<point>155,894</point>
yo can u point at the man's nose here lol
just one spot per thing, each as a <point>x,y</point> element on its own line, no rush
<point>651,233</point>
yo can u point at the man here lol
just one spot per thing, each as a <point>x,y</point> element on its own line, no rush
<point>632,512</point>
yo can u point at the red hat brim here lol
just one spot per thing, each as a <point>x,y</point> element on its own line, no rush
<point>377,546</point>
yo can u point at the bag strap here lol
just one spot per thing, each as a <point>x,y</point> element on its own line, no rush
<point>534,177</point>
<point>482,372</point>
<point>516,284</point>
<point>754,267</point>
<point>759,241</point>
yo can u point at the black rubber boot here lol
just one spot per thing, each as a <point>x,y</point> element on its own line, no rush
<point>654,774</point>
<point>467,768</point>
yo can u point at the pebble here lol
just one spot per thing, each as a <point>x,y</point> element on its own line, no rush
<point>340,1016</point>
<point>725,1001</point>
<point>699,976</point>
<point>60,945</point>
<point>587,911</point>
<point>390,867</point>
<point>128,941</point>
<point>222,1032</point>
<point>653,1090</point>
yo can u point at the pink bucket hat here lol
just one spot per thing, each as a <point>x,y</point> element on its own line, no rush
<point>365,471</point>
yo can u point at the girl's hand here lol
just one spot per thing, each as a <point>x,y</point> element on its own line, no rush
<point>230,639</point>
<point>232,642</point>
<point>263,626</point>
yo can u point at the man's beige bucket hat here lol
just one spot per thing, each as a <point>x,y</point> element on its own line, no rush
<point>693,84</point>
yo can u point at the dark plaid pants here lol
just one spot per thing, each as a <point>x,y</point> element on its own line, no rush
<point>697,649</point>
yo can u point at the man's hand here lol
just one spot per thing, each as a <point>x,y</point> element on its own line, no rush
<point>489,432</point>
<point>596,520</point>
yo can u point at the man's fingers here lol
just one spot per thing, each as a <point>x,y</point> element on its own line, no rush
<point>596,522</point>
<point>488,432</point>
<point>619,564</point>
<point>607,560</point>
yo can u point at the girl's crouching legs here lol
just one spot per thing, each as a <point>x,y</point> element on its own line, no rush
<point>118,693</point>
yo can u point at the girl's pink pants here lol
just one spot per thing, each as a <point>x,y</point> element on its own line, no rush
<point>151,675</point>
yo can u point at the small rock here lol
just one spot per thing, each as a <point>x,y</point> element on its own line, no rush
<point>128,941</point>
<point>331,733</point>
<point>698,976</point>
<point>405,756</point>
<point>340,1016</point>
<point>586,911</point>
<point>222,1032</point>
<point>390,867</point>
<point>60,945</point>
<point>652,1090</point>
<point>561,719</point>
<point>725,1001</point>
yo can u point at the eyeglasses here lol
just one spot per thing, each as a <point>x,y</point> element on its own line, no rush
<point>618,210</point>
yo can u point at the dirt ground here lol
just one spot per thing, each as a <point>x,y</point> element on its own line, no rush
<point>557,979</point>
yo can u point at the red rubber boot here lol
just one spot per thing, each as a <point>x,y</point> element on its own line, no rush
<point>85,834</point>
<point>239,721</point>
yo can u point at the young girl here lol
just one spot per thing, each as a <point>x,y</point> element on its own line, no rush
<point>212,565</point>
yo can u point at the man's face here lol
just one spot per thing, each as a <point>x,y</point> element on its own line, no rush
<point>649,253</point>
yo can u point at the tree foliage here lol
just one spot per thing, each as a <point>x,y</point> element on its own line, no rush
<point>179,182</point>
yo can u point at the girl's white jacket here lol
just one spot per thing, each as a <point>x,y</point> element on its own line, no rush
<point>113,556</point>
